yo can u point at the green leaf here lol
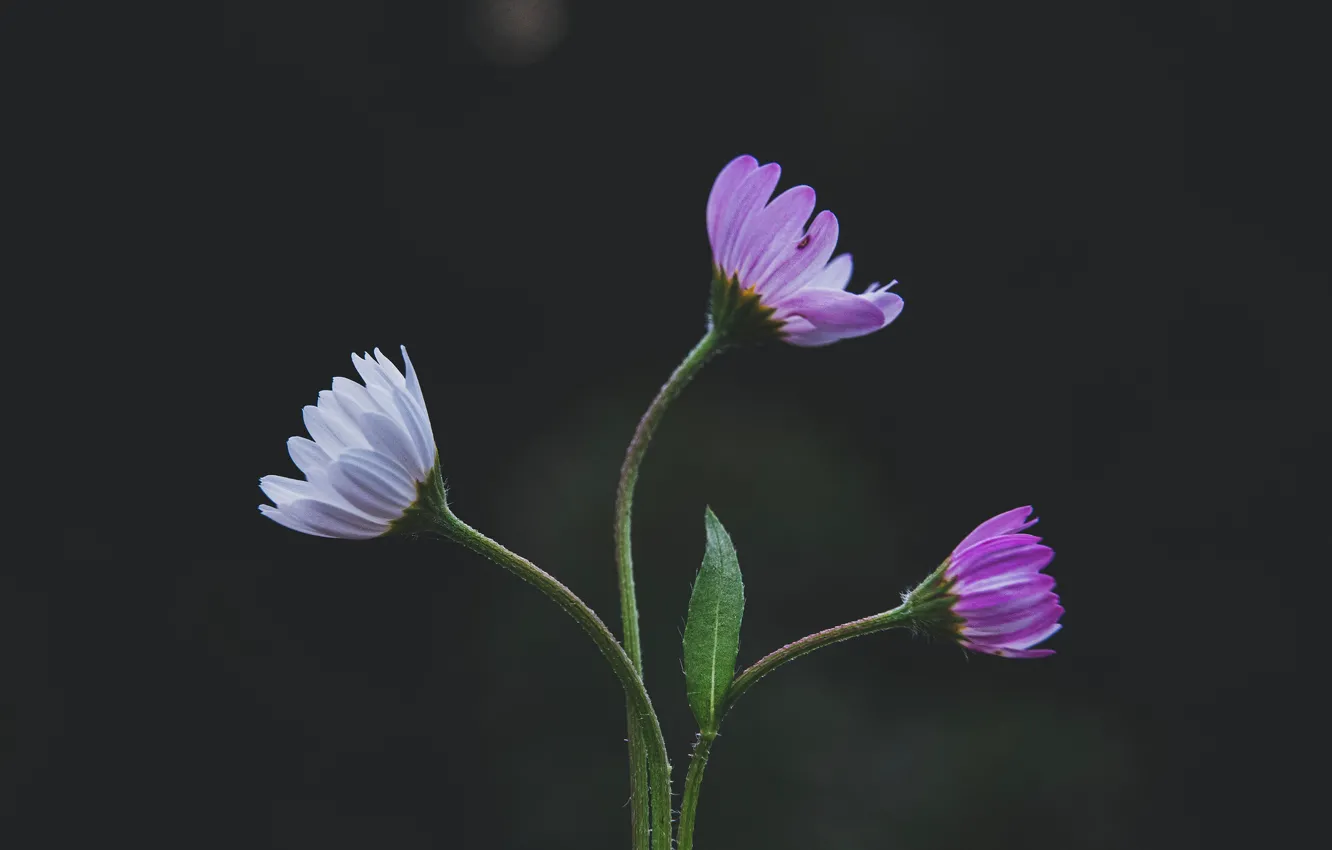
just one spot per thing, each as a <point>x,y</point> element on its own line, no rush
<point>712,631</point>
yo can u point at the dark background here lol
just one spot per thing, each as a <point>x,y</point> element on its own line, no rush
<point>1105,218</point>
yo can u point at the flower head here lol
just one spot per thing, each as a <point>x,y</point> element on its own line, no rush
<point>372,459</point>
<point>770,272</point>
<point>991,594</point>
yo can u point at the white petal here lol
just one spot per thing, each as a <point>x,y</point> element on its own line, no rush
<point>383,397</point>
<point>413,383</point>
<point>387,436</point>
<point>323,435</point>
<point>411,419</point>
<point>283,490</point>
<point>355,393</point>
<point>370,372</point>
<point>389,470</point>
<point>365,492</point>
<point>414,388</point>
<point>391,370</point>
<point>340,420</point>
<point>332,521</point>
<point>307,455</point>
<point>283,518</point>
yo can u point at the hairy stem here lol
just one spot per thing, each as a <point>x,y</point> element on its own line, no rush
<point>896,618</point>
<point>643,720</point>
<point>693,783</point>
<point>639,779</point>
<point>706,348</point>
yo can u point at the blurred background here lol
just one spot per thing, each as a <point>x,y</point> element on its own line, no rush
<point>1107,220</point>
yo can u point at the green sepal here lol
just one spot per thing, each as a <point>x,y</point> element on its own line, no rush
<point>739,313</point>
<point>430,513</point>
<point>930,605</point>
<point>712,629</point>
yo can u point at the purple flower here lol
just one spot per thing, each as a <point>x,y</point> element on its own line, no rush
<point>1001,602</point>
<point>762,249</point>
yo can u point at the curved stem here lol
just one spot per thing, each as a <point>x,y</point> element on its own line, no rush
<point>706,348</point>
<point>642,717</point>
<point>693,783</point>
<point>639,780</point>
<point>895,618</point>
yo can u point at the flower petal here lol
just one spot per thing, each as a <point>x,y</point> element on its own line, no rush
<point>366,490</point>
<point>413,383</point>
<point>371,372</point>
<point>835,275</point>
<point>1015,596</point>
<point>1030,640</point>
<point>772,232</point>
<point>1015,629</point>
<point>391,370</point>
<point>799,261</point>
<point>414,389</point>
<point>745,203</point>
<point>997,565</point>
<point>341,419</point>
<point>307,455</point>
<point>1005,523</point>
<point>283,490</point>
<point>412,417</point>
<point>357,394</point>
<point>723,188</point>
<point>332,521</point>
<point>387,469</point>
<point>889,302</point>
<point>387,436</point>
<point>1004,652</point>
<point>281,517</point>
<point>319,430</point>
<point>833,310</point>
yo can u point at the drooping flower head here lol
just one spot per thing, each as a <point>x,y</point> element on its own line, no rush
<point>372,462</point>
<point>991,594</point>
<point>772,274</point>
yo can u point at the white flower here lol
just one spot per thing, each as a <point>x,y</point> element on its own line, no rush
<point>372,451</point>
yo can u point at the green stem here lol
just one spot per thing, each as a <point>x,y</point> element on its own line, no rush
<point>693,782</point>
<point>896,618</point>
<point>707,347</point>
<point>639,780</point>
<point>642,718</point>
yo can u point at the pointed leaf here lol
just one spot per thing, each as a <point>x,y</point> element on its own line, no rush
<point>712,630</point>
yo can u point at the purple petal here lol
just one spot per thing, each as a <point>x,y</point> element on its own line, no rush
<point>1014,630</point>
<point>1004,652</point>
<point>1009,598</point>
<point>835,275</point>
<point>1033,632</point>
<point>773,231</point>
<point>723,187</point>
<point>799,261</point>
<point>833,310</point>
<point>1031,640</point>
<point>1006,523</point>
<point>889,302</point>
<point>745,203</point>
<point>1023,613</point>
<point>1016,553</point>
